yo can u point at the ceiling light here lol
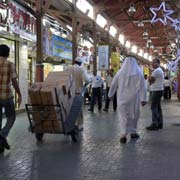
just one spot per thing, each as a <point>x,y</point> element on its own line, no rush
<point>132,9</point>
<point>140,24</point>
<point>152,46</point>
<point>149,41</point>
<point>145,33</point>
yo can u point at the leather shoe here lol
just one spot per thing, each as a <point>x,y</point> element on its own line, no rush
<point>4,142</point>
<point>106,110</point>
<point>160,126</point>
<point>135,136</point>
<point>90,110</point>
<point>152,128</point>
<point>123,140</point>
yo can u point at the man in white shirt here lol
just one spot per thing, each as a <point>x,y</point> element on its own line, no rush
<point>156,81</point>
<point>79,74</point>
<point>109,80</point>
<point>97,85</point>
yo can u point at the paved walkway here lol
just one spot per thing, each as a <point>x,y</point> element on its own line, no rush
<point>99,155</point>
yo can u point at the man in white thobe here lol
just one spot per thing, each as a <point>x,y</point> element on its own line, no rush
<point>131,92</point>
<point>80,77</point>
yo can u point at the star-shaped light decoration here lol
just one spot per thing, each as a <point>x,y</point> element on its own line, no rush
<point>176,24</point>
<point>165,14</point>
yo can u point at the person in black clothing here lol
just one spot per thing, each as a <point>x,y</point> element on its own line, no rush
<point>109,80</point>
<point>167,88</point>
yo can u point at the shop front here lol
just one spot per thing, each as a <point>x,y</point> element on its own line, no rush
<point>17,30</point>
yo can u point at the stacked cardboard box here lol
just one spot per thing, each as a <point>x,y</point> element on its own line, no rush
<point>57,89</point>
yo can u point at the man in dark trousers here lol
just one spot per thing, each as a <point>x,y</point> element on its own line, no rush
<point>97,85</point>
<point>8,75</point>
<point>109,80</point>
<point>156,81</point>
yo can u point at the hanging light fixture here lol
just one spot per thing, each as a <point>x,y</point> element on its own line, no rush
<point>145,33</point>
<point>140,24</point>
<point>149,41</point>
<point>132,9</point>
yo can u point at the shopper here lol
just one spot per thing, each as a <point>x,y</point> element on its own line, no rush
<point>97,86</point>
<point>167,88</point>
<point>156,81</point>
<point>131,92</point>
<point>109,80</point>
<point>8,75</point>
<point>80,77</point>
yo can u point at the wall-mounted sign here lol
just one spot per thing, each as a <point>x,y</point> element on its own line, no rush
<point>103,57</point>
<point>16,19</point>
<point>61,47</point>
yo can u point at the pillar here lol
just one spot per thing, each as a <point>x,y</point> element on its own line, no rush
<point>39,51</point>
<point>74,33</point>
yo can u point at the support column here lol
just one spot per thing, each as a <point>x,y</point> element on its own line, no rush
<point>39,52</point>
<point>74,33</point>
<point>95,47</point>
<point>178,76</point>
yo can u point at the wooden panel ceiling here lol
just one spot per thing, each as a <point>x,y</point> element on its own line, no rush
<point>116,12</point>
<point>160,35</point>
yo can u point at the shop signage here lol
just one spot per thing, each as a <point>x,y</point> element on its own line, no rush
<point>18,20</point>
<point>61,47</point>
<point>115,61</point>
<point>103,57</point>
<point>85,54</point>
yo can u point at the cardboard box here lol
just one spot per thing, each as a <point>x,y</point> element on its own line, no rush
<point>58,89</point>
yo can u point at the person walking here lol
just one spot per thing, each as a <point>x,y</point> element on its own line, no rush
<point>97,86</point>
<point>80,77</point>
<point>156,81</point>
<point>109,80</point>
<point>167,88</point>
<point>8,75</point>
<point>131,93</point>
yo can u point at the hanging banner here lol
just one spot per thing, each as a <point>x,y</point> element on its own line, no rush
<point>115,61</point>
<point>103,57</point>
<point>146,70</point>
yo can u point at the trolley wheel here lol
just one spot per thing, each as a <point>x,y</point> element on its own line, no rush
<point>39,136</point>
<point>75,135</point>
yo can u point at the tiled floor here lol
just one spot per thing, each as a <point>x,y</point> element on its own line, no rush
<point>99,155</point>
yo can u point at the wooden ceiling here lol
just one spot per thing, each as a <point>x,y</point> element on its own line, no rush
<point>160,35</point>
<point>116,12</point>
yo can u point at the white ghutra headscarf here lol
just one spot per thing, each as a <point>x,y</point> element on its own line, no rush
<point>130,67</point>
